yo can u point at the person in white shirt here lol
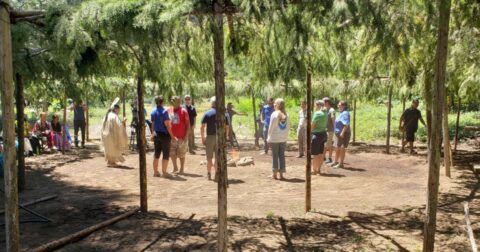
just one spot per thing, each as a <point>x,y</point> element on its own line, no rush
<point>301,130</point>
<point>277,137</point>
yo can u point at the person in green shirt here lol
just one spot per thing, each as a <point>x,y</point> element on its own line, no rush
<point>319,135</point>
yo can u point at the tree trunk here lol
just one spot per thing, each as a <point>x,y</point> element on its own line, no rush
<point>308,167</point>
<point>447,150</point>
<point>403,109</point>
<point>389,116</point>
<point>8,120</point>
<point>221,162</point>
<point>354,119</point>
<point>437,109</point>
<point>19,97</point>
<point>87,123</point>
<point>457,123</point>
<point>123,103</point>
<point>141,143</point>
<point>64,133</point>
<point>254,115</point>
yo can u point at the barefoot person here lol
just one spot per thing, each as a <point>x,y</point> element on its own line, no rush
<point>319,135</point>
<point>114,136</point>
<point>277,137</point>
<point>342,133</point>
<point>302,129</point>
<point>330,129</point>
<point>409,124</point>
<point>180,127</point>
<point>209,123</point>
<point>162,136</point>
<point>267,111</point>
<point>192,114</point>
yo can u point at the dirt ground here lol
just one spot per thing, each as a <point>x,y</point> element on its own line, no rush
<point>375,203</point>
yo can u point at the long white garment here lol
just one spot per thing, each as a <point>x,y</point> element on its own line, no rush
<point>114,138</point>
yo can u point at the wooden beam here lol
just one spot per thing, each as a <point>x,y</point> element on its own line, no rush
<point>33,202</point>
<point>81,234</point>
<point>468,223</point>
<point>308,167</point>
<point>8,120</point>
<point>142,143</point>
<point>389,116</point>
<point>15,14</point>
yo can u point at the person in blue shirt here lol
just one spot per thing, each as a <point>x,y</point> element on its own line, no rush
<point>342,133</point>
<point>266,113</point>
<point>209,123</point>
<point>162,136</point>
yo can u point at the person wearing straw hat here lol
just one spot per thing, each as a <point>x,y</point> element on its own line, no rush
<point>114,135</point>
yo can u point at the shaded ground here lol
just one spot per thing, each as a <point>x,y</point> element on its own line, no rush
<point>375,203</point>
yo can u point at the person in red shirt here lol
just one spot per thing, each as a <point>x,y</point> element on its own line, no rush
<point>180,126</point>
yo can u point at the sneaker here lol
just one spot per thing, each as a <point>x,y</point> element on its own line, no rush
<point>338,166</point>
<point>329,161</point>
<point>333,164</point>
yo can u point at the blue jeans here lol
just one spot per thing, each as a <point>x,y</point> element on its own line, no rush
<point>265,136</point>
<point>278,154</point>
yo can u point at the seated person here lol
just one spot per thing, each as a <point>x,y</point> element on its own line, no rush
<point>43,130</point>
<point>57,134</point>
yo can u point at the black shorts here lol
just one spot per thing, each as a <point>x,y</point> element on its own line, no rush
<point>410,135</point>
<point>318,142</point>
<point>162,144</point>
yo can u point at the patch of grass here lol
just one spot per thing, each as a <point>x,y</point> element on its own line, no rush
<point>357,238</point>
<point>270,215</point>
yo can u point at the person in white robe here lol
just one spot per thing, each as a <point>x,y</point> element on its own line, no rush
<point>114,137</point>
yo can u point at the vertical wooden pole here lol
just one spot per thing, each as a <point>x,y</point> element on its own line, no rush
<point>141,144</point>
<point>87,123</point>
<point>20,99</point>
<point>403,109</point>
<point>308,167</point>
<point>354,119</point>
<point>8,120</point>
<point>389,116</point>
<point>64,133</point>
<point>254,115</point>
<point>437,111</point>
<point>457,123</point>
<point>447,150</point>
<point>124,102</point>
<point>221,162</point>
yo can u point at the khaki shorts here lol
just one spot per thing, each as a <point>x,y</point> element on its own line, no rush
<point>211,146</point>
<point>329,142</point>
<point>178,149</point>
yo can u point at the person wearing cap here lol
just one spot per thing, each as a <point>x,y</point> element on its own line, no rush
<point>162,136</point>
<point>319,135</point>
<point>209,126</point>
<point>342,134</point>
<point>409,124</point>
<point>180,122</point>
<point>231,112</point>
<point>267,111</point>
<point>330,129</point>
<point>114,136</point>
<point>192,115</point>
<point>302,129</point>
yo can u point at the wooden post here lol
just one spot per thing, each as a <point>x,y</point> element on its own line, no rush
<point>142,143</point>
<point>221,162</point>
<point>87,123</point>
<point>64,133</point>
<point>437,111</point>
<point>354,119</point>
<point>447,150</point>
<point>254,115</point>
<point>403,110</point>
<point>8,120</point>
<point>389,116</point>
<point>20,99</point>
<point>308,167</point>
<point>124,102</point>
<point>457,123</point>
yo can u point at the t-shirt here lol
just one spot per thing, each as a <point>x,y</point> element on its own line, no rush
<point>267,112</point>
<point>159,115</point>
<point>39,127</point>
<point>302,116</point>
<point>341,121</point>
<point>179,119</point>
<point>320,119</point>
<point>209,118</point>
<point>192,113</point>
<point>278,129</point>
<point>331,119</point>
<point>56,127</point>
<point>411,117</point>
<point>78,113</point>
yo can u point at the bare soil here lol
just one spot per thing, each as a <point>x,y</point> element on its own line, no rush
<point>375,203</point>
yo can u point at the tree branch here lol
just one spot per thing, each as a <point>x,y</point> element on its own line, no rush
<point>14,14</point>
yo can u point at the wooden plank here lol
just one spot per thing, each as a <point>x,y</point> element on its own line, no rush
<point>33,202</point>
<point>471,237</point>
<point>308,166</point>
<point>82,233</point>
<point>8,119</point>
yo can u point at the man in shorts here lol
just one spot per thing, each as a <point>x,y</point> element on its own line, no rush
<point>209,123</point>
<point>342,133</point>
<point>180,122</point>
<point>330,129</point>
<point>409,124</point>
<point>319,135</point>
<point>162,136</point>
